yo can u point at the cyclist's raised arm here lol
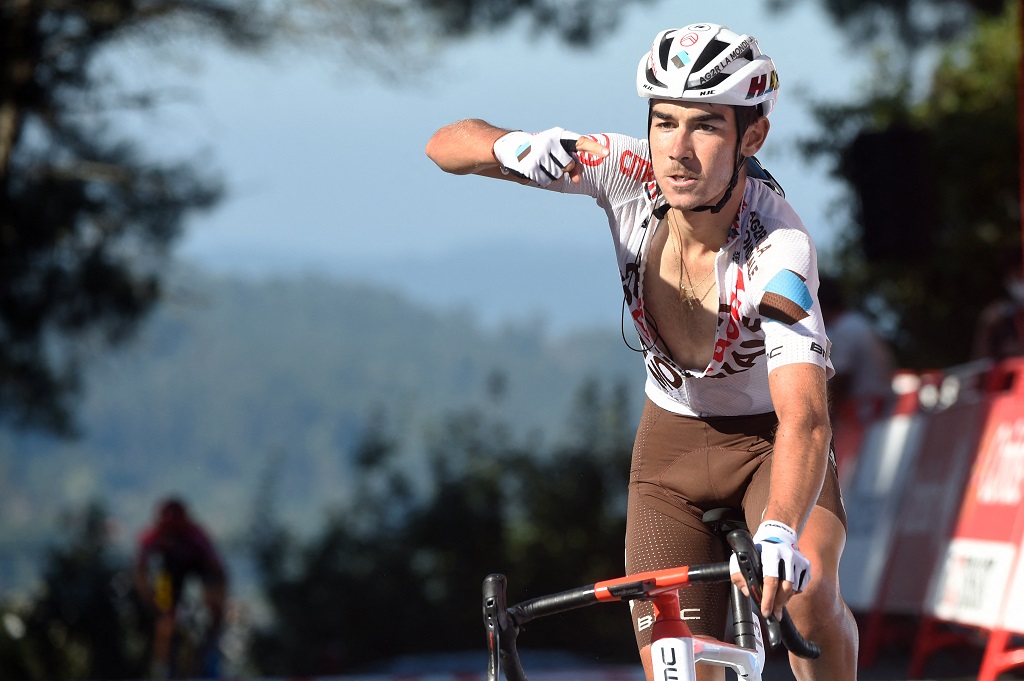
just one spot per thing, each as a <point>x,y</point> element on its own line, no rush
<point>467,147</point>
<point>476,147</point>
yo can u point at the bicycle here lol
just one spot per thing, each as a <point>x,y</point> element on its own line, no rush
<point>674,650</point>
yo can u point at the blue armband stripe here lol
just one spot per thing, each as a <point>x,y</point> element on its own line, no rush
<point>786,298</point>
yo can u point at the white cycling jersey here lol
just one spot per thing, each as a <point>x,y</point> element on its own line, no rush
<point>768,313</point>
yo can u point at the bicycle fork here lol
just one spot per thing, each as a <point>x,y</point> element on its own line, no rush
<point>675,652</point>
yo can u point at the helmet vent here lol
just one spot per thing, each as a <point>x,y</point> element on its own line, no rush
<point>713,50</point>
<point>666,45</point>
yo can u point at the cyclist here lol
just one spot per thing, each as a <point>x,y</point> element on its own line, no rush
<point>720,277</point>
<point>170,552</point>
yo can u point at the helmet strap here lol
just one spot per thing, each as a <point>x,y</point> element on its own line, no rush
<point>717,208</point>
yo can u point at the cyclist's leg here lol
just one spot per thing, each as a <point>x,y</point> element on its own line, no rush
<point>819,611</point>
<point>214,598</point>
<point>654,540</point>
<point>164,626</point>
<point>681,467</point>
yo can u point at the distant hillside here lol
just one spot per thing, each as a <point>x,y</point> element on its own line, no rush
<point>230,374</point>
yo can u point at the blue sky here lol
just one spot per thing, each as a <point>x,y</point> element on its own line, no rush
<point>326,170</point>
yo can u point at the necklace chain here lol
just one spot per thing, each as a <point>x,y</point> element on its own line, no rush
<point>688,293</point>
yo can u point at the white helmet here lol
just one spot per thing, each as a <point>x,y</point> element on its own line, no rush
<point>708,63</point>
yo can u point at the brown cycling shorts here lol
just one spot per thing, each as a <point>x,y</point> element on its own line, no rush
<point>683,466</point>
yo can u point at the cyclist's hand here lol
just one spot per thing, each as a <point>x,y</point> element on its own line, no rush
<point>786,571</point>
<point>590,146</point>
<point>539,157</point>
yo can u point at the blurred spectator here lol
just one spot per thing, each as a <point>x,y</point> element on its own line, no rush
<point>172,551</point>
<point>864,363</point>
<point>1000,330</point>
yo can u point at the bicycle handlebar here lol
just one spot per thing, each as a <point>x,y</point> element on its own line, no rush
<point>779,631</point>
<point>503,623</point>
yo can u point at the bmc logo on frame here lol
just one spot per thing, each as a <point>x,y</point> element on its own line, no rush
<point>686,614</point>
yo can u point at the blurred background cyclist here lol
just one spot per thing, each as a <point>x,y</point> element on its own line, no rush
<point>171,552</point>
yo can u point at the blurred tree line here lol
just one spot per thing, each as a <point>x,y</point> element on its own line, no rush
<point>928,149</point>
<point>84,622</point>
<point>397,569</point>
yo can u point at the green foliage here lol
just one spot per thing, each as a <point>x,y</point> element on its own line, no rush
<point>576,22</point>
<point>85,623</point>
<point>913,23</point>
<point>929,299</point>
<point>493,503</point>
<point>85,217</point>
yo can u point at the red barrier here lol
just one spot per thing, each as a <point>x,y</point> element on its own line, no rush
<point>883,464</point>
<point>952,412</point>
<point>979,567</point>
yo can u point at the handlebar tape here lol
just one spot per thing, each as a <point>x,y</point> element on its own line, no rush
<point>784,632</point>
<point>501,633</point>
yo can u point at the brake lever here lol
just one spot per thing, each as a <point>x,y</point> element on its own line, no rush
<point>784,632</point>
<point>502,632</point>
<point>749,561</point>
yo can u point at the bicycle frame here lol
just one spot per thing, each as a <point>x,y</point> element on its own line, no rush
<point>675,651</point>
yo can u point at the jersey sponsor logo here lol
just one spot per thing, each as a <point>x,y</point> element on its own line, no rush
<point>589,159</point>
<point>751,247</point>
<point>746,360</point>
<point>732,329</point>
<point>705,93</point>
<point>816,347</point>
<point>652,189</point>
<point>663,373</point>
<point>786,298</point>
<point>635,167</point>
<point>738,361</point>
<point>641,323</point>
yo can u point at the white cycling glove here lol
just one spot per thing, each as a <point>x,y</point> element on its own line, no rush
<point>780,556</point>
<point>539,157</point>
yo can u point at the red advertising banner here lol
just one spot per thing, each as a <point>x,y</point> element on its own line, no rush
<point>975,570</point>
<point>980,581</point>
